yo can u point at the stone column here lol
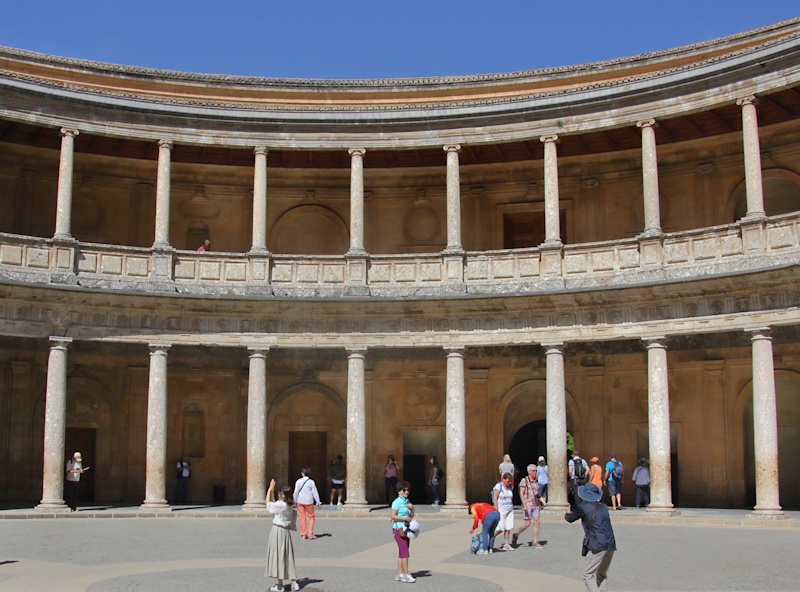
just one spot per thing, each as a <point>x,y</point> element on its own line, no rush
<point>556,404</point>
<point>652,213</point>
<point>752,158</point>
<point>256,429</point>
<point>658,426</point>
<point>55,420</point>
<point>259,245</point>
<point>456,431</point>
<point>453,200</point>
<point>156,454</point>
<point>765,427</point>
<point>356,429</point>
<point>163,195</point>
<point>552,214</point>
<point>64,197</point>
<point>356,202</point>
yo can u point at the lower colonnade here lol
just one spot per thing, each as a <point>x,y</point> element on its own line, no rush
<point>765,428</point>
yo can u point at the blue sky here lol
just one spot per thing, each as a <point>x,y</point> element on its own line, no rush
<point>371,39</point>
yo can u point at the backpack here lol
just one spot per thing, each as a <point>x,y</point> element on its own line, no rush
<point>578,471</point>
<point>619,471</point>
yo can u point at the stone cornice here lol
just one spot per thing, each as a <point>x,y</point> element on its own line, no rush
<point>512,114</point>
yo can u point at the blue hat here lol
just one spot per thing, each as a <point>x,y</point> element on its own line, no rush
<point>590,492</point>
<point>412,529</point>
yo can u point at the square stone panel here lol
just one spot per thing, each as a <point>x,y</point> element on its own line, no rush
<point>603,260</point>
<point>210,270</point>
<point>379,273</point>
<point>705,248</point>
<point>781,237</point>
<point>528,267</point>
<point>431,272</point>
<point>677,252</point>
<point>405,272</point>
<point>333,274</point>
<point>111,264</point>
<point>87,262</point>
<point>628,258</point>
<point>236,271</point>
<point>39,258</point>
<point>138,266</point>
<point>282,272</point>
<point>308,274</point>
<point>478,269</point>
<point>576,263</point>
<point>730,244</point>
<point>11,255</point>
<point>503,268</point>
<point>185,270</point>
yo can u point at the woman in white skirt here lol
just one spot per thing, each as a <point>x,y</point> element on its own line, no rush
<point>280,552</point>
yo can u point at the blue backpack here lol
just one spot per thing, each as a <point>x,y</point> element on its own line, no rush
<point>475,544</point>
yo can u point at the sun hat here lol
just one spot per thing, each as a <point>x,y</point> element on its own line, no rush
<point>77,456</point>
<point>594,459</point>
<point>540,458</point>
<point>412,529</point>
<point>590,492</point>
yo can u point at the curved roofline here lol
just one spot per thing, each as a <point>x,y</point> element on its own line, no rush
<point>781,28</point>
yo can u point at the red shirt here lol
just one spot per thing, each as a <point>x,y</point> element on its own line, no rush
<point>480,510</point>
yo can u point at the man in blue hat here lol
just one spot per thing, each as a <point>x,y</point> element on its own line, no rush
<point>598,543</point>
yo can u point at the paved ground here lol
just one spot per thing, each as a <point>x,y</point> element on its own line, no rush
<point>222,549</point>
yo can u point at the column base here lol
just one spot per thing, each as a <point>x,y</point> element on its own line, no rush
<point>156,506</point>
<point>52,507</point>
<point>254,506</point>
<point>356,506</point>
<point>555,508</point>
<point>662,511</point>
<point>455,505</point>
<point>775,513</point>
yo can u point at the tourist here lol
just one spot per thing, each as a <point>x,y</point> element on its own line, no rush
<point>503,499</point>
<point>507,467</point>
<point>402,514</point>
<point>183,472</point>
<point>434,477</point>
<point>641,478</point>
<point>72,484</point>
<point>338,478</point>
<point>390,479</point>
<point>531,505</point>
<point>598,541</point>
<point>280,551</point>
<point>613,478</point>
<point>543,479</point>
<point>205,247</point>
<point>490,517</point>
<point>305,496</point>
<point>595,472</point>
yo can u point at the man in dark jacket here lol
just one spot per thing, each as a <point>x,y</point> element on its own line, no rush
<point>599,536</point>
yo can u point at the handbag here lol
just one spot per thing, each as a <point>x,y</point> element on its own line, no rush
<point>585,548</point>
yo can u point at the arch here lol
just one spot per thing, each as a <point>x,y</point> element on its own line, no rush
<point>309,229</point>
<point>787,395</point>
<point>525,403</point>
<point>781,194</point>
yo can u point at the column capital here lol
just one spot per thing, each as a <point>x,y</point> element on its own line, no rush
<point>646,123</point>
<point>452,147</point>
<point>748,100</point>
<point>68,131</point>
<point>553,345</point>
<point>758,333</point>
<point>260,350</point>
<point>62,342</point>
<point>455,349</point>
<point>166,144</point>
<point>655,341</point>
<point>550,138</point>
<point>258,150</point>
<point>355,351</point>
<point>357,151</point>
<point>156,348</point>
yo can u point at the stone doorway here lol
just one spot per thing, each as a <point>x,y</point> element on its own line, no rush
<point>84,440</point>
<point>309,449</point>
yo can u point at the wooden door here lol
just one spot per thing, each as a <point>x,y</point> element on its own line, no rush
<point>309,449</point>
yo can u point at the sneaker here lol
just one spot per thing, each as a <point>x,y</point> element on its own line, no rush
<point>435,503</point>
<point>339,504</point>
<point>514,538</point>
<point>409,579</point>
<point>491,551</point>
<point>398,578</point>
<point>295,586</point>
<point>276,588</point>
<point>482,552</point>
<point>507,547</point>
<point>312,537</point>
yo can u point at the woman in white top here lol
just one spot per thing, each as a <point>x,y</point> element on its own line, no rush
<point>280,552</point>
<point>306,497</point>
<point>503,498</point>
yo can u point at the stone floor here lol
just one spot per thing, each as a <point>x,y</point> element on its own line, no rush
<point>101,549</point>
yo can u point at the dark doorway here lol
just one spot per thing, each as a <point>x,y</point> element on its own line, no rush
<point>526,446</point>
<point>84,440</point>
<point>309,449</point>
<point>526,229</point>
<point>414,468</point>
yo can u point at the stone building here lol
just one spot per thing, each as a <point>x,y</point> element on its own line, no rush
<point>457,266</point>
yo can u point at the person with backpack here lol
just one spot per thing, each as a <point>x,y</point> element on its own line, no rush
<point>641,478</point>
<point>613,478</point>
<point>578,470</point>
